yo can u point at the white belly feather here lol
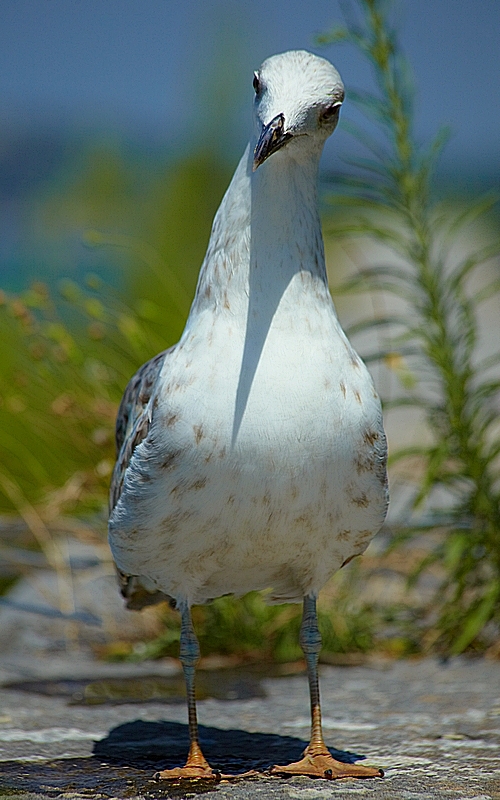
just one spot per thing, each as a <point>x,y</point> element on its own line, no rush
<point>279,500</point>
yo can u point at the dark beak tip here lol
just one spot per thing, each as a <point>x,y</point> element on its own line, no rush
<point>271,139</point>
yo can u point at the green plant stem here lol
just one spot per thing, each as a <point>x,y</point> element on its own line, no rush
<point>461,457</point>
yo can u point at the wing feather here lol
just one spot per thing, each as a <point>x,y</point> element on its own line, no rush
<point>133,422</point>
<point>134,419</point>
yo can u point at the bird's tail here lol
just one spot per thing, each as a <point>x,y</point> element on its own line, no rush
<point>136,593</point>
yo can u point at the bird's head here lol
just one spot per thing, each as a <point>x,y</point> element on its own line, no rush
<point>297,102</point>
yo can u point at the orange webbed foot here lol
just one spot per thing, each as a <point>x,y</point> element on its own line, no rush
<point>188,773</point>
<point>324,765</point>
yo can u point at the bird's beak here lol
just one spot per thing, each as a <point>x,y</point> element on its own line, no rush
<point>272,138</point>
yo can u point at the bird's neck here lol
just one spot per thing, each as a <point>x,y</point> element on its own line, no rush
<point>265,234</point>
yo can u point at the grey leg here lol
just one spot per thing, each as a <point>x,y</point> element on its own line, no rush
<point>318,761</point>
<point>196,765</point>
<point>190,655</point>
<point>310,642</point>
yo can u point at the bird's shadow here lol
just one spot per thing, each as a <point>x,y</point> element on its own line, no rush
<point>162,745</point>
<point>124,762</point>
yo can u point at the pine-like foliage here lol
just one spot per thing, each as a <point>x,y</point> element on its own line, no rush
<point>432,273</point>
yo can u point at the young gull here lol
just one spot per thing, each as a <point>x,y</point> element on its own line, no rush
<point>252,455</point>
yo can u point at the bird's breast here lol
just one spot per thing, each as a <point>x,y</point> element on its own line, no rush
<point>264,466</point>
<point>288,395</point>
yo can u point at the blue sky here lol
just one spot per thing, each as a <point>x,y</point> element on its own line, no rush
<point>166,70</point>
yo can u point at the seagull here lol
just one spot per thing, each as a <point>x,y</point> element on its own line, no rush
<point>252,454</point>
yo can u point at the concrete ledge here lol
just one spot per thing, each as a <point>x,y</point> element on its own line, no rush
<point>433,728</point>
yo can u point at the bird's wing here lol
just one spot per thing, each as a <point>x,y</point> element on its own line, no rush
<point>132,425</point>
<point>134,419</point>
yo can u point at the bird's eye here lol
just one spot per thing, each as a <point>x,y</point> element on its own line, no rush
<point>330,112</point>
<point>256,82</point>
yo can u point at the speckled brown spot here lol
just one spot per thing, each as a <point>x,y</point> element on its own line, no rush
<point>170,459</point>
<point>172,522</point>
<point>304,521</point>
<point>266,500</point>
<point>171,420</point>
<point>364,462</point>
<point>344,535</point>
<point>199,484</point>
<point>370,437</point>
<point>226,302</point>
<point>208,291</point>
<point>361,500</point>
<point>357,396</point>
<point>294,491</point>
<point>222,452</point>
<point>198,433</point>
<point>362,539</point>
<point>230,500</point>
<point>343,388</point>
<point>331,518</point>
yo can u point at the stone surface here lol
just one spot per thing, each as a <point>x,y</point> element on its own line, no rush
<point>434,728</point>
<point>28,613</point>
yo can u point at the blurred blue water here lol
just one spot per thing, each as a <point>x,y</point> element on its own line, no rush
<point>155,81</point>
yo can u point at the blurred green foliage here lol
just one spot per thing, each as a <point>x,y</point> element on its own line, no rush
<point>68,348</point>
<point>253,631</point>
<point>437,272</point>
<point>66,352</point>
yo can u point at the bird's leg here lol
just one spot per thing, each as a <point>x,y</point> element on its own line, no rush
<point>196,765</point>
<point>318,761</point>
